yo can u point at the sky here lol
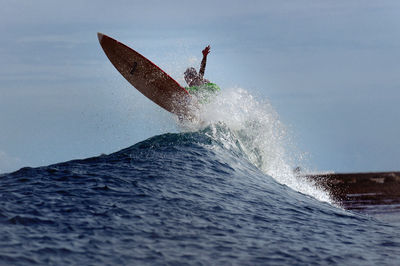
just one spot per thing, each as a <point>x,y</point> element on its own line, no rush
<point>331,69</point>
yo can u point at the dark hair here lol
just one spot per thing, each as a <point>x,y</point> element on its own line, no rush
<point>190,72</point>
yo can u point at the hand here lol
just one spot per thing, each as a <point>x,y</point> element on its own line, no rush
<point>206,50</point>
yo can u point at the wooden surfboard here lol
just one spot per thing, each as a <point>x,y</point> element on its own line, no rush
<point>146,77</point>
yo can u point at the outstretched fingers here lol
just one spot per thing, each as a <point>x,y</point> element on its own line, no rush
<point>206,50</point>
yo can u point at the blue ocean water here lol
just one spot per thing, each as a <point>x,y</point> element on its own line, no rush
<point>202,197</point>
<point>177,199</point>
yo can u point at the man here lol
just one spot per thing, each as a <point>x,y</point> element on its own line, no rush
<point>198,85</point>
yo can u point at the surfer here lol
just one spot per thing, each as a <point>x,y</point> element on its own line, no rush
<point>196,81</point>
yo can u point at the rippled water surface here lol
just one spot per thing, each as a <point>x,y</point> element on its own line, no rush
<point>222,193</point>
<point>178,198</point>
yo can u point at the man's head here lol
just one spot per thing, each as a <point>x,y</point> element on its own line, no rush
<point>190,75</point>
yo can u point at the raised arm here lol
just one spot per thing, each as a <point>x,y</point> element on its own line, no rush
<point>205,52</point>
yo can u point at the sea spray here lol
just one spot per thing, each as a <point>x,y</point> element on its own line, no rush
<point>255,129</point>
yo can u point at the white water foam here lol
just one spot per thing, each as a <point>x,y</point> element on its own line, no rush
<point>261,135</point>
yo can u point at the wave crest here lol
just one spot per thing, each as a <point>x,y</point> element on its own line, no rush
<point>241,123</point>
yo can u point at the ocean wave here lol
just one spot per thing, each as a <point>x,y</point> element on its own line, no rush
<point>222,191</point>
<point>193,197</point>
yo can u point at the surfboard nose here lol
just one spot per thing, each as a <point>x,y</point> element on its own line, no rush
<point>100,36</point>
